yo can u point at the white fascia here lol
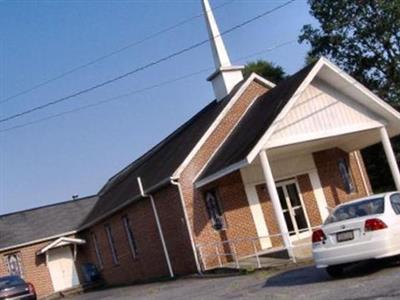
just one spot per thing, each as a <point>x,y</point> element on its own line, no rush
<point>61,241</point>
<point>388,108</point>
<point>218,120</point>
<point>259,146</point>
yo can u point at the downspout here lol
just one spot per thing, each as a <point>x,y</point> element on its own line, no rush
<point>144,195</point>
<point>175,181</point>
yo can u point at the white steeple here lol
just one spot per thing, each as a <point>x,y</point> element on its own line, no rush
<point>225,76</point>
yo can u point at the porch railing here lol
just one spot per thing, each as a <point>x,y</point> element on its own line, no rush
<point>212,251</point>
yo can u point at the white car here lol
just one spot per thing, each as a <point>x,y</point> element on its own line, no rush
<point>362,229</point>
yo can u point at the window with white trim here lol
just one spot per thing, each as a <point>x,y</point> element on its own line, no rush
<point>130,236</point>
<point>97,251</point>
<point>214,209</point>
<point>112,244</point>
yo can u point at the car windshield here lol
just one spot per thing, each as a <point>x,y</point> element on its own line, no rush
<point>357,210</point>
<point>10,281</point>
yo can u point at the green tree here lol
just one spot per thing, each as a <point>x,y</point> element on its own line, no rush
<point>265,69</point>
<point>363,38</point>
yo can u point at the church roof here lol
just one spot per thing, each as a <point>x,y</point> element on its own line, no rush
<point>157,165</point>
<point>43,222</point>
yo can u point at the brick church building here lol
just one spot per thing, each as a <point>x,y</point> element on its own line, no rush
<point>255,170</point>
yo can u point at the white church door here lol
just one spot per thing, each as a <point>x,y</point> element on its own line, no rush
<point>293,209</point>
<point>62,268</point>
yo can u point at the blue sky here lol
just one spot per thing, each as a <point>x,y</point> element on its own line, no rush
<point>75,154</point>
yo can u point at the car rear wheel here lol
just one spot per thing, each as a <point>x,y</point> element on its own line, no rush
<point>335,271</point>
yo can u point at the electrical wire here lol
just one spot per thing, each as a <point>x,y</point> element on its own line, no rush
<point>105,56</point>
<point>121,96</point>
<point>156,62</point>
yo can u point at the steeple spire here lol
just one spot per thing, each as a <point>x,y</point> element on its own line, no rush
<point>225,76</point>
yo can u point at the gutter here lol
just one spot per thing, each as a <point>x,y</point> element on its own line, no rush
<point>175,181</point>
<point>160,231</point>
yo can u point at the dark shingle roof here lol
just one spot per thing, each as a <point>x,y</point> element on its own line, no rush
<point>255,123</point>
<point>158,164</point>
<point>42,222</point>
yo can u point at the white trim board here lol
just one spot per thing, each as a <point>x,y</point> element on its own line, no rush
<point>62,241</point>
<point>258,147</point>
<point>218,120</point>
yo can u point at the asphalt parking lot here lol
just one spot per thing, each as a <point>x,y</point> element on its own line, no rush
<point>372,280</point>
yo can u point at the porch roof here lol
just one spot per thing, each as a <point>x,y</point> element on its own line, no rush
<point>60,242</point>
<point>254,130</point>
<point>254,124</point>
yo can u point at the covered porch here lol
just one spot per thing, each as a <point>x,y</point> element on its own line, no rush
<point>289,191</point>
<point>294,156</point>
<point>61,255</point>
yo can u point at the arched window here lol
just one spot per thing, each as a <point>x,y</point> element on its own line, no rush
<point>346,176</point>
<point>214,209</point>
<point>14,264</point>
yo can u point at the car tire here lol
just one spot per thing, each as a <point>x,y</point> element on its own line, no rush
<point>335,271</point>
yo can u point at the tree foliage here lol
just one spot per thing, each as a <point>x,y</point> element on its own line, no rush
<point>265,69</point>
<point>362,37</point>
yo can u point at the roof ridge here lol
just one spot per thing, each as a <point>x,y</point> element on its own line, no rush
<point>48,205</point>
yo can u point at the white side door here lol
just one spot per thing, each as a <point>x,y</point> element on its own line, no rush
<point>62,268</point>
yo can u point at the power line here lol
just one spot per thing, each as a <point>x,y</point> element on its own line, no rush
<point>165,58</point>
<point>105,56</point>
<point>118,97</point>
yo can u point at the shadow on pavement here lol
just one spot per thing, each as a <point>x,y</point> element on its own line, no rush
<point>311,275</point>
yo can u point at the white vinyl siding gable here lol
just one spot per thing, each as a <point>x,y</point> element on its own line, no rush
<point>321,111</point>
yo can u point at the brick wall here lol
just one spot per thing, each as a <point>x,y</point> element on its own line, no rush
<point>269,214</point>
<point>150,262</point>
<point>239,222</point>
<point>194,202</point>
<point>309,200</point>
<point>34,267</point>
<point>169,206</point>
<point>195,206</point>
<point>332,183</point>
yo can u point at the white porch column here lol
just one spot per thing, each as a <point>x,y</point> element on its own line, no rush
<point>273,193</point>
<point>391,158</point>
